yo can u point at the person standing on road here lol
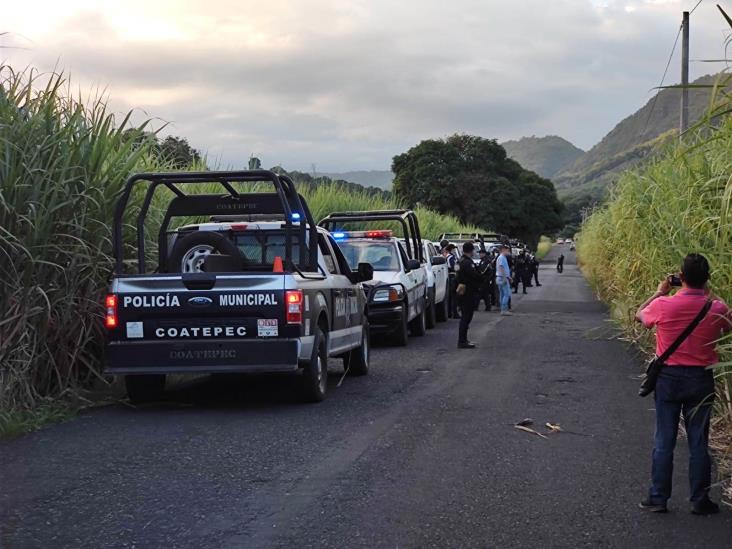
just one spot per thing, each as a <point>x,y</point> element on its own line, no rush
<point>503,279</point>
<point>685,384</point>
<point>535,270</point>
<point>520,272</point>
<point>449,255</point>
<point>485,269</point>
<point>560,263</point>
<point>469,280</point>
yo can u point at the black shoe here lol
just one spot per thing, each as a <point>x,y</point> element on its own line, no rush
<point>705,507</point>
<point>466,345</point>
<point>651,507</point>
<point>538,285</point>
<point>526,292</point>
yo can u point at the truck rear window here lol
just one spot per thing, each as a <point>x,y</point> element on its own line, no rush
<point>260,248</point>
<point>383,256</point>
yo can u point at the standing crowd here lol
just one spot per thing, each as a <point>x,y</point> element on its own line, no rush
<point>490,281</point>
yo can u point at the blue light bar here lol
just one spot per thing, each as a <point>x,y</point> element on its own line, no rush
<point>339,236</point>
<point>295,216</point>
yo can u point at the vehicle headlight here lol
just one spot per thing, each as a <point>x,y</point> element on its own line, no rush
<point>386,295</point>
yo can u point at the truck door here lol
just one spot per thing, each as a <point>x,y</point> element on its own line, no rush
<point>341,338</point>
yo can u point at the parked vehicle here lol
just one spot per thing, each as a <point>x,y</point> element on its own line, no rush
<point>437,284</point>
<point>398,296</point>
<point>260,289</point>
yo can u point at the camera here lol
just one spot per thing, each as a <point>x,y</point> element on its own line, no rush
<point>674,280</point>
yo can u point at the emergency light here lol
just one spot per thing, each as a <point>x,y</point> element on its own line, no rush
<point>381,233</point>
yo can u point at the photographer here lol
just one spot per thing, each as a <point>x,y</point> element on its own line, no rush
<point>685,384</point>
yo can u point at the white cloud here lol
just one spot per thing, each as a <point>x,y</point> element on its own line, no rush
<point>349,84</point>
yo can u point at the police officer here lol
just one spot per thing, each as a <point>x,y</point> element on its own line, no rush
<point>485,269</point>
<point>535,269</point>
<point>447,250</point>
<point>470,280</point>
<point>520,270</point>
<point>560,263</point>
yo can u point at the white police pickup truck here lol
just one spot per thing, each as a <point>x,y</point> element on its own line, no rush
<point>398,295</point>
<point>255,288</point>
<point>435,267</point>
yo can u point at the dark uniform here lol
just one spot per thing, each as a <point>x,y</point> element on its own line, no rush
<point>468,275</point>
<point>535,269</point>
<point>485,268</point>
<point>560,263</point>
<point>520,269</point>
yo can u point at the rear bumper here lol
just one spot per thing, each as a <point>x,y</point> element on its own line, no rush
<point>383,318</point>
<point>234,355</point>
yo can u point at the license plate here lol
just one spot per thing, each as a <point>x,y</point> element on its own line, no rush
<point>267,327</point>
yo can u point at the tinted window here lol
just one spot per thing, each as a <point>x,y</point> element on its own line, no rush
<point>259,248</point>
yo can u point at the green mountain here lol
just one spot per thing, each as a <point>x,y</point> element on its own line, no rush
<point>372,178</point>
<point>587,181</point>
<point>546,156</point>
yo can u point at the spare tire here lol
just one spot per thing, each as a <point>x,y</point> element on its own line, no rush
<point>190,251</point>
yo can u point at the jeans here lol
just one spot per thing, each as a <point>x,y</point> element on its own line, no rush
<point>467,308</point>
<point>504,287</point>
<point>688,391</point>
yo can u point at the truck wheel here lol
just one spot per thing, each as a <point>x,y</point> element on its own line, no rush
<point>442,308</point>
<point>401,330</point>
<point>418,325</point>
<point>315,373</point>
<point>357,360</point>
<point>431,313</point>
<point>190,252</point>
<point>145,388</point>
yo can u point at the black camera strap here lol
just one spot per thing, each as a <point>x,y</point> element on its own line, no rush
<point>686,333</point>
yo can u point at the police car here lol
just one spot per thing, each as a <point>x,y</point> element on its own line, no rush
<point>398,293</point>
<point>258,288</point>
<point>435,267</point>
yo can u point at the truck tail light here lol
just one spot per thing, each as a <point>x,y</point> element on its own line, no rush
<point>110,319</point>
<point>293,304</point>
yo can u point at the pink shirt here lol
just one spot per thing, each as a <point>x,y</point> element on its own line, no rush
<point>672,314</point>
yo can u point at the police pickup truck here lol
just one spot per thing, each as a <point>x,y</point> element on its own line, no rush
<point>398,295</point>
<point>247,283</point>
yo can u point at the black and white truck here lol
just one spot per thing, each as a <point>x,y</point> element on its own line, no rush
<point>246,283</point>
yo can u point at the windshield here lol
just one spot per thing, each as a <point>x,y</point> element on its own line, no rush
<point>260,248</point>
<point>383,256</point>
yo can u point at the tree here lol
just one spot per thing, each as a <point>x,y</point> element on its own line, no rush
<point>179,152</point>
<point>472,178</point>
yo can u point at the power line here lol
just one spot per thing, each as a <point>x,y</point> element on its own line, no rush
<point>694,8</point>
<point>663,78</point>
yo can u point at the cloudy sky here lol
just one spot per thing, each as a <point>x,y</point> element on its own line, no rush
<point>347,84</point>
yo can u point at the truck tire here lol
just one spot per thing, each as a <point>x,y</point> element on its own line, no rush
<point>145,388</point>
<point>314,379</point>
<point>357,360</point>
<point>190,251</point>
<point>431,313</point>
<point>442,307</point>
<point>418,326</point>
<point>401,330</point>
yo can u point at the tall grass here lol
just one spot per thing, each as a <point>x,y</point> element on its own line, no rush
<point>680,202</point>
<point>62,165</point>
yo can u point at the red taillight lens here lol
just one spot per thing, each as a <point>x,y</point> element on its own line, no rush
<point>293,306</point>
<point>110,303</point>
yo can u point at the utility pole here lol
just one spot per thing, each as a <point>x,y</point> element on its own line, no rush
<point>684,123</point>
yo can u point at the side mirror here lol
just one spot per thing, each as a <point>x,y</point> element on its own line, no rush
<point>439,260</point>
<point>413,264</point>
<point>365,272</point>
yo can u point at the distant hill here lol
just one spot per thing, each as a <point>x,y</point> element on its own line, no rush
<point>546,156</point>
<point>635,138</point>
<point>371,178</point>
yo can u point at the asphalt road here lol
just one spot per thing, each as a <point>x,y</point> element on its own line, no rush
<point>420,453</point>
